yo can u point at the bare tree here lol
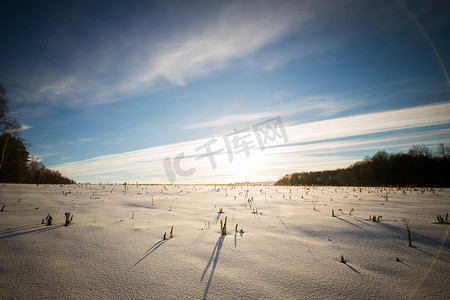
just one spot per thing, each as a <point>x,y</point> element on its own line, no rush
<point>3,107</point>
<point>419,150</point>
<point>9,127</point>
<point>443,151</point>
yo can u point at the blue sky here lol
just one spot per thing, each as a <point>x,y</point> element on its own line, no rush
<point>107,90</point>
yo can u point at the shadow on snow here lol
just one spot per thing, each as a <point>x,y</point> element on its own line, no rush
<point>213,259</point>
<point>31,229</point>
<point>151,250</point>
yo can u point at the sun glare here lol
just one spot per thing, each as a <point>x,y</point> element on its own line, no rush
<point>246,168</point>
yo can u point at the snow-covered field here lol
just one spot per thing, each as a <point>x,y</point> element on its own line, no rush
<point>114,249</point>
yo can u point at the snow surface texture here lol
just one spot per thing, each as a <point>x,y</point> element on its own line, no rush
<point>113,249</point>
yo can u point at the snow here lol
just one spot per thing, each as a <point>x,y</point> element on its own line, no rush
<point>113,249</point>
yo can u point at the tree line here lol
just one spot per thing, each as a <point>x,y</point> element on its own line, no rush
<point>16,165</point>
<point>418,167</point>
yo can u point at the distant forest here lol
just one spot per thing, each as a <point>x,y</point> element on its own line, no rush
<point>16,165</point>
<point>418,167</point>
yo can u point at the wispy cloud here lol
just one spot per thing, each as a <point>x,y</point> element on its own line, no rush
<point>239,30</point>
<point>45,147</point>
<point>371,123</point>
<point>84,140</point>
<point>19,129</point>
<point>145,59</point>
<point>231,120</point>
<point>321,105</point>
<point>308,149</point>
<point>25,127</point>
<point>44,155</point>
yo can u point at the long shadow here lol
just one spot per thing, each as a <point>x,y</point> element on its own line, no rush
<point>217,218</point>
<point>285,226</point>
<point>339,218</point>
<point>199,236</point>
<point>403,263</point>
<point>23,227</point>
<point>241,233</point>
<point>361,221</point>
<point>140,205</point>
<point>309,251</point>
<point>428,253</point>
<point>401,230</point>
<point>40,229</point>
<point>353,269</point>
<point>293,201</point>
<point>257,215</point>
<point>415,237</point>
<point>151,250</point>
<point>290,201</point>
<point>213,259</point>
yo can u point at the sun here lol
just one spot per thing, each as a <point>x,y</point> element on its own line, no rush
<point>247,168</point>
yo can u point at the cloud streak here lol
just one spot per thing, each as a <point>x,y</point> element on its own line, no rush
<point>371,123</point>
<point>140,61</point>
<point>240,30</point>
<point>308,149</point>
<point>320,105</point>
